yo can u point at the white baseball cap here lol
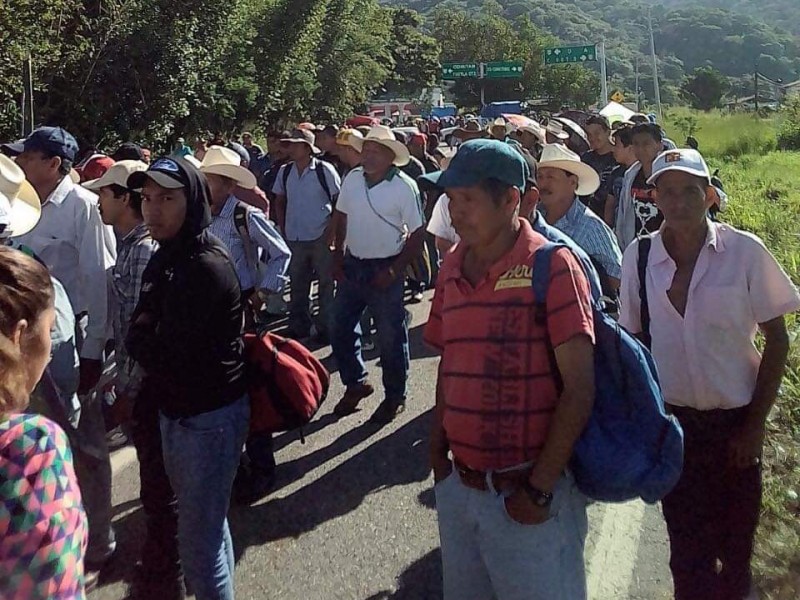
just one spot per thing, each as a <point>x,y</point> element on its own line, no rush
<point>686,160</point>
<point>117,174</point>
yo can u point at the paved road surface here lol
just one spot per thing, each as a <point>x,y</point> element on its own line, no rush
<point>352,516</point>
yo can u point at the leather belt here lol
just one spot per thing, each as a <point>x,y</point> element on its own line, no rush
<point>503,482</point>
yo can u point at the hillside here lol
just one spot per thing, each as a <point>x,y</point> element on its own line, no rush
<point>688,33</point>
<point>781,14</point>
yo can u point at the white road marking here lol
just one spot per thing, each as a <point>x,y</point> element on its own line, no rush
<point>612,564</point>
<point>121,459</point>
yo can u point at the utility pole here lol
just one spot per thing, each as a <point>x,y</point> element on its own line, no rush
<point>755,86</point>
<point>481,76</point>
<point>637,83</point>
<point>27,97</point>
<point>603,76</point>
<point>656,87</point>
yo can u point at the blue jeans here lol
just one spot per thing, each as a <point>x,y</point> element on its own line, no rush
<point>486,554</point>
<point>354,295</point>
<point>201,455</point>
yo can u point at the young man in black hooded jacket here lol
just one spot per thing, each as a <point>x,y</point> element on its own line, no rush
<point>186,336</point>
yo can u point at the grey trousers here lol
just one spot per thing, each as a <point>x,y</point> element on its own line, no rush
<point>310,259</point>
<point>93,468</point>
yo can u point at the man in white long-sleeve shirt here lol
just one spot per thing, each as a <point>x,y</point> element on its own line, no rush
<point>78,249</point>
<point>70,238</point>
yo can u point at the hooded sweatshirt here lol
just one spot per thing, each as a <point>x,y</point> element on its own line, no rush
<point>186,330</point>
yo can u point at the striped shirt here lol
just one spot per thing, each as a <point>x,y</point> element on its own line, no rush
<point>595,237</point>
<point>267,245</point>
<point>497,381</point>
<point>133,253</point>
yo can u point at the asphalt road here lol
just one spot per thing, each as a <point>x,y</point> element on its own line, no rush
<point>352,517</point>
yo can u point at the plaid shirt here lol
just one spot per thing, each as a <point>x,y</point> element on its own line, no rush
<point>595,237</point>
<point>133,253</point>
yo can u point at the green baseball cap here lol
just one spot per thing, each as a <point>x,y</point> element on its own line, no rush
<point>478,160</point>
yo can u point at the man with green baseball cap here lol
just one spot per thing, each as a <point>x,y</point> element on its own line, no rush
<point>505,422</point>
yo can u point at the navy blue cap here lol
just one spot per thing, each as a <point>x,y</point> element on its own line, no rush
<point>478,160</point>
<point>52,140</point>
<point>165,171</point>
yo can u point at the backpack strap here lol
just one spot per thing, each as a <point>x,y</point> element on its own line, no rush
<point>540,279</point>
<point>240,212</point>
<point>323,182</point>
<point>540,282</point>
<point>287,168</point>
<point>644,308</point>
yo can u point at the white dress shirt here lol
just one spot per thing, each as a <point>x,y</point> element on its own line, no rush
<point>78,249</point>
<point>707,359</point>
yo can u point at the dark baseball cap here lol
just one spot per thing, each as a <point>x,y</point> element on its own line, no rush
<point>128,151</point>
<point>164,171</point>
<point>478,160</point>
<point>54,141</point>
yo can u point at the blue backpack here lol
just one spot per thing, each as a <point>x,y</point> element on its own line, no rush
<point>630,447</point>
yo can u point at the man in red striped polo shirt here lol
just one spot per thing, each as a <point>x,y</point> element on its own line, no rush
<point>511,520</point>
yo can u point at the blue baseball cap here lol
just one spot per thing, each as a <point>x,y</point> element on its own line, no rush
<point>478,160</point>
<point>51,140</point>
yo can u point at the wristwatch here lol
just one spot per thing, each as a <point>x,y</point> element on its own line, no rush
<point>537,496</point>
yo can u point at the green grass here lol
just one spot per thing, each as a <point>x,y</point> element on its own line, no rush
<point>725,135</point>
<point>764,198</point>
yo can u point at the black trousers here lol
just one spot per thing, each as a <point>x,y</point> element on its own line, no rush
<point>712,513</point>
<point>160,550</point>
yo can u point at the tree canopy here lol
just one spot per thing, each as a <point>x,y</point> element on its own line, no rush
<point>704,88</point>
<point>156,69</point>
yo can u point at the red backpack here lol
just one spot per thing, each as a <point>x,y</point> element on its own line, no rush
<point>286,383</point>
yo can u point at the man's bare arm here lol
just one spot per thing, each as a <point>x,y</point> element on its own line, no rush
<point>575,359</point>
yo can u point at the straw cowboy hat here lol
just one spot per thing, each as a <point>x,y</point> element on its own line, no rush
<point>471,128</point>
<point>20,206</point>
<point>227,163</point>
<point>536,130</point>
<point>192,160</point>
<point>500,122</point>
<point>556,156</point>
<point>380,134</point>
<point>556,129</point>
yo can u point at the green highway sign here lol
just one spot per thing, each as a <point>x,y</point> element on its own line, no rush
<point>458,70</point>
<point>570,54</point>
<point>509,69</point>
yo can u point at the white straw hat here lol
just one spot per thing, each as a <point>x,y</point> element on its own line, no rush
<point>20,206</point>
<point>382,135</point>
<point>227,163</point>
<point>557,156</point>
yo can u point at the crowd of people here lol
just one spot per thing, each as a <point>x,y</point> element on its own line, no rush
<point>158,265</point>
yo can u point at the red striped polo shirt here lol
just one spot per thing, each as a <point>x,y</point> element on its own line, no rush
<point>498,386</point>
